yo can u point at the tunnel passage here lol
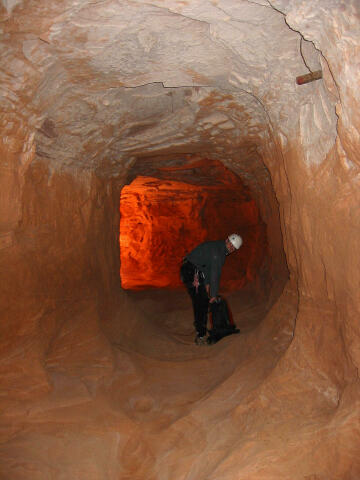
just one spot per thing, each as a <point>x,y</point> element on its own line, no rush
<point>87,87</point>
<point>164,217</point>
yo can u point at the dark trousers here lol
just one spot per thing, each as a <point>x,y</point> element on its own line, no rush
<point>199,296</point>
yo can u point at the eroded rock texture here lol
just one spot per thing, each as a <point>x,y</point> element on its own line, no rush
<point>161,220</point>
<point>102,383</point>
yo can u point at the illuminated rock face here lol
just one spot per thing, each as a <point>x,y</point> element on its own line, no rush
<point>162,220</point>
<point>102,383</point>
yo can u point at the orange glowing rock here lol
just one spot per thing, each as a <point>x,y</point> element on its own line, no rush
<point>161,220</point>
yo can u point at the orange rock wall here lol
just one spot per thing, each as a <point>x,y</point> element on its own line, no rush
<point>94,85</point>
<point>64,255</point>
<point>161,221</point>
<point>320,218</point>
<point>59,248</point>
<point>54,252</point>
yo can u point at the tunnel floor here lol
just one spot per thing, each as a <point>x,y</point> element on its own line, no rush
<point>154,405</point>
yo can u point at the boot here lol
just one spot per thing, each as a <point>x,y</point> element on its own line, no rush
<point>200,340</point>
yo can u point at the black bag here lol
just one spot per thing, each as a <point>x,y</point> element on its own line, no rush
<point>221,321</point>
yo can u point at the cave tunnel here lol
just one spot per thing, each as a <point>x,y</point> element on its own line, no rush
<point>132,131</point>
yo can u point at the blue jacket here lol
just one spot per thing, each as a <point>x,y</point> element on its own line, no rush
<point>209,258</point>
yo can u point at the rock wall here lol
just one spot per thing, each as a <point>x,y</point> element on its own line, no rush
<point>321,214</point>
<point>163,220</point>
<point>57,249</point>
<point>79,110</point>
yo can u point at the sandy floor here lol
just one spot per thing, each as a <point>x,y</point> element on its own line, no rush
<point>143,402</point>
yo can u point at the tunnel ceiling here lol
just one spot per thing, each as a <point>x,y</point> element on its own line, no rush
<point>100,84</point>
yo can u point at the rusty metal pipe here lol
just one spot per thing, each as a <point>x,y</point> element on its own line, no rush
<point>310,77</point>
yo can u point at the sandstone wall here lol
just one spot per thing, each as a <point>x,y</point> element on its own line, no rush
<point>58,248</point>
<point>317,186</point>
<point>78,109</point>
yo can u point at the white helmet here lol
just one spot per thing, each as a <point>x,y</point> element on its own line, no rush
<point>235,240</point>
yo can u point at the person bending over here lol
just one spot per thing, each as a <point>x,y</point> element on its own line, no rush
<point>200,272</point>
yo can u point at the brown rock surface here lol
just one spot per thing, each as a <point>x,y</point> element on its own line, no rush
<point>97,382</point>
